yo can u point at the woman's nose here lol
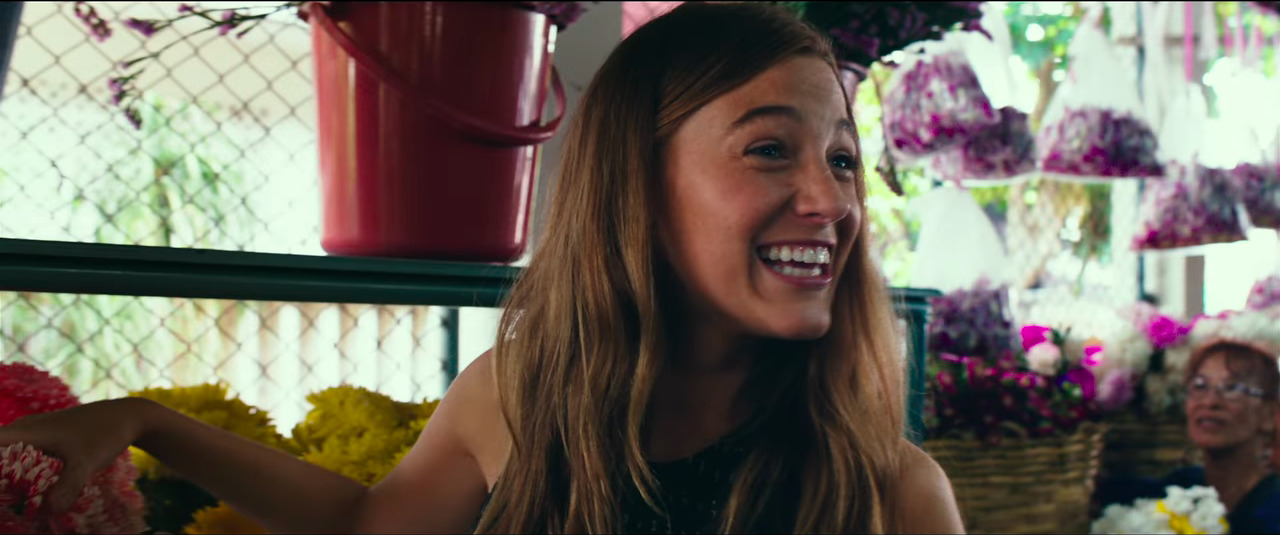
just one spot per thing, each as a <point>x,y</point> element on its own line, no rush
<point>820,197</point>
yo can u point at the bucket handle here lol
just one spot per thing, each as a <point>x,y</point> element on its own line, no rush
<point>472,126</point>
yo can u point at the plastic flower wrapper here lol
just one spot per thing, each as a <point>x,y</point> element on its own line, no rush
<point>109,502</point>
<point>971,321</point>
<point>1182,511</point>
<point>933,101</point>
<point>1260,187</point>
<point>1002,150</point>
<point>1190,207</point>
<point>1095,126</point>
<point>1265,294</point>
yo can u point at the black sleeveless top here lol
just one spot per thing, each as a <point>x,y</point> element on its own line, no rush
<point>694,491</point>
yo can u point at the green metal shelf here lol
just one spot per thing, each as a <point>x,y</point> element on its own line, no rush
<point>93,268</point>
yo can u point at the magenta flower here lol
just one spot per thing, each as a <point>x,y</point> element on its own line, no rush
<point>1165,332</point>
<point>1093,356</point>
<point>1033,335</point>
<point>98,27</point>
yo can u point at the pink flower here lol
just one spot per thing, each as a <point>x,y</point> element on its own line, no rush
<point>109,502</point>
<point>1043,358</point>
<point>1165,332</point>
<point>1033,335</point>
<point>1093,356</point>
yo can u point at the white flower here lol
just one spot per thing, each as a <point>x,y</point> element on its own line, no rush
<point>1043,358</point>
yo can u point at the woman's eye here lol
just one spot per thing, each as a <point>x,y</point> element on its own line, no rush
<point>843,161</point>
<point>771,151</point>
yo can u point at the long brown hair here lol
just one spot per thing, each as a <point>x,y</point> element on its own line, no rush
<point>582,338</point>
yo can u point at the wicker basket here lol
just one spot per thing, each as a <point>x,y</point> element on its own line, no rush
<point>1146,448</point>
<point>1039,485</point>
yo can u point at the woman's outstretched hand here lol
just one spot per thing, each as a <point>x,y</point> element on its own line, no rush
<point>86,438</point>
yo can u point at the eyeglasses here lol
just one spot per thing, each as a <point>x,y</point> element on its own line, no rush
<point>1229,391</point>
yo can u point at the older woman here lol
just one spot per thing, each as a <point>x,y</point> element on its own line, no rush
<point>1232,408</point>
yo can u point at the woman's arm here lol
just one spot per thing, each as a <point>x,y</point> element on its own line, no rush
<point>923,500</point>
<point>284,493</point>
<point>437,488</point>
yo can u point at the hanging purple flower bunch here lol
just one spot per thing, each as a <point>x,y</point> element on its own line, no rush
<point>1098,142</point>
<point>1002,150</point>
<point>1260,188</point>
<point>935,105</point>
<point>1192,206</point>
<point>863,32</point>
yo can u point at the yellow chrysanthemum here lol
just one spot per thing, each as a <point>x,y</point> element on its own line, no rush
<point>221,519</point>
<point>211,404</point>
<point>342,412</point>
<point>359,433</point>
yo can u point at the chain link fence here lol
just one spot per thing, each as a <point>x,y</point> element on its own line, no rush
<point>224,159</point>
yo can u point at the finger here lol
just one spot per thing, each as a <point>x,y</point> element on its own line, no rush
<point>70,484</point>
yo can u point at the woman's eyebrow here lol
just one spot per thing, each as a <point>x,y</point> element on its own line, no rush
<point>760,112</point>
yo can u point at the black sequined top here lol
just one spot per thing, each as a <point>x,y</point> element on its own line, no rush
<point>694,491</point>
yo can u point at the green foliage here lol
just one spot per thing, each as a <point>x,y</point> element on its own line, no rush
<point>177,186</point>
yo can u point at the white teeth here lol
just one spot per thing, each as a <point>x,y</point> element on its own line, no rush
<point>815,271</point>
<point>807,255</point>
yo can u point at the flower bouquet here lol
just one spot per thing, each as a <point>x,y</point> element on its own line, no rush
<point>934,102</point>
<point>1002,150</point>
<point>1182,511</point>
<point>1260,187</point>
<point>1014,426</point>
<point>972,322</point>
<point>109,503</point>
<point>1192,206</point>
<point>864,32</point>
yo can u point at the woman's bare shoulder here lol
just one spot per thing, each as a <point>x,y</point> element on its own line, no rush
<point>442,481</point>
<point>923,500</point>
<point>480,425</point>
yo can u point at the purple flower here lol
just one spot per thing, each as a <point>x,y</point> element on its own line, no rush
<point>562,14</point>
<point>1117,389</point>
<point>185,8</point>
<point>1084,378</point>
<point>228,23</point>
<point>145,27</point>
<point>98,27</point>
<point>134,118</point>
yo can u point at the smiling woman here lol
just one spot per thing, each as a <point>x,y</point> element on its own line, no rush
<point>657,368</point>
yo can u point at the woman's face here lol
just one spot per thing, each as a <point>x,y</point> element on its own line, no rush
<point>761,203</point>
<point>1224,408</point>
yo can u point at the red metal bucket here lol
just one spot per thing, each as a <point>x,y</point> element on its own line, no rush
<point>430,120</point>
